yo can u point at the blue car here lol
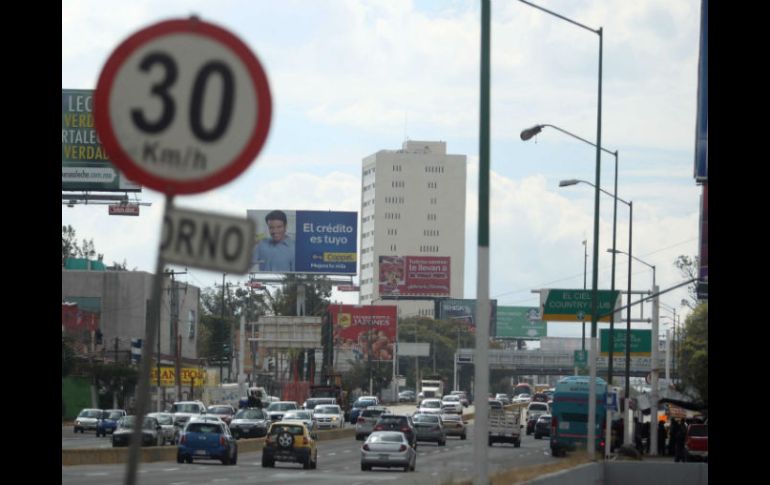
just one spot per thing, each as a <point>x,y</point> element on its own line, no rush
<point>207,438</point>
<point>109,421</point>
<point>359,405</point>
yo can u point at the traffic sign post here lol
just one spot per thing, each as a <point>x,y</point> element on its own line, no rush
<point>181,107</point>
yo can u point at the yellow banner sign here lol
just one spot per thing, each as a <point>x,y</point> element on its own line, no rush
<point>168,376</point>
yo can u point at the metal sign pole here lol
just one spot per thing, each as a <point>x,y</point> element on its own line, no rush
<point>150,332</point>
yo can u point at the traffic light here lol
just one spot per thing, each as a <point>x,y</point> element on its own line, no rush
<point>226,349</point>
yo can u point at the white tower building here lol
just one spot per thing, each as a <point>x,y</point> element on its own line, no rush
<point>412,205</point>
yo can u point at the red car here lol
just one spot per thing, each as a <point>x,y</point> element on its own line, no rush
<point>696,444</point>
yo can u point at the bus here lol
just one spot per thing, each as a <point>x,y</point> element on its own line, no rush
<point>523,388</point>
<point>569,414</point>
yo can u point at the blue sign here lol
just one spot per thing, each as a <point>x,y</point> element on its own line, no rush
<point>319,242</point>
<point>612,401</point>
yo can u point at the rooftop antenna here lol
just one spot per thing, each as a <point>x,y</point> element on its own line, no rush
<point>406,138</point>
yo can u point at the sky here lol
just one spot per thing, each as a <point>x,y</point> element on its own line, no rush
<point>351,77</point>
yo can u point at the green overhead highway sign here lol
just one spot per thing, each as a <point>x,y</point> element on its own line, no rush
<point>641,342</point>
<point>575,305</point>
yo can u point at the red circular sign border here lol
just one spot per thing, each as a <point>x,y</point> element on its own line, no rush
<point>131,168</point>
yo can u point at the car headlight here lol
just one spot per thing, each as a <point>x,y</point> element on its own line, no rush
<point>334,418</point>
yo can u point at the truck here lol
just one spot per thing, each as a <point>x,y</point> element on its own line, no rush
<point>504,425</point>
<point>231,394</point>
<point>431,387</point>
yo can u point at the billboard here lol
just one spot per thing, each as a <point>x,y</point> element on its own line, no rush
<point>415,275</point>
<point>366,330</point>
<point>702,116</point>
<point>465,311</point>
<point>520,322</point>
<point>320,242</point>
<point>84,163</point>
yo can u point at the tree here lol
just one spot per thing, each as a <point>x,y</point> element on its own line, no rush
<point>67,356</point>
<point>693,355</point>
<point>71,249</point>
<point>318,290</point>
<point>688,267</point>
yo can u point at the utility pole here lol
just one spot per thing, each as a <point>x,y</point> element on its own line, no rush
<point>175,338</point>
<point>223,322</point>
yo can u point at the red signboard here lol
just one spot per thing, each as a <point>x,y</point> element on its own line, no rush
<point>415,275</point>
<point>348,288</point>
<point>124,210</point>
<point>365,330</point>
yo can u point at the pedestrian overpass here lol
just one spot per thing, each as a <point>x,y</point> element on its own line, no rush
<point>555,363</point>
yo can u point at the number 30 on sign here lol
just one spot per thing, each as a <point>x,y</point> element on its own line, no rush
<point>182,106</point>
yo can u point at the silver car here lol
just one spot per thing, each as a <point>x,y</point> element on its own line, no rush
<point>367,419</point>
<point>304,415</point>
<point>249,423</point>
<point>87,419</point>
<point>429,427</point>
<point>169,432</point>
<point>388,449</point>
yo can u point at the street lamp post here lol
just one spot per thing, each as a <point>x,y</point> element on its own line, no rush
<point>654,364</point>
<point>529,133</point>
<point>590,445</point>
<point>611,343</point>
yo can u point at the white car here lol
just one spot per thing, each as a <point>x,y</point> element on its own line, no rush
<point>452,404</point>
<point>429,406</point>
<point>328,416</point>
<point>522,398</point>
<point>276,409</point>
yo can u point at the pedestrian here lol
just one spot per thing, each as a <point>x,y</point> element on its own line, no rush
<point>257,401</point>
<point>253,400</point>
<point>672,431</point>
<point>679,446</point>
<point>661,438</point>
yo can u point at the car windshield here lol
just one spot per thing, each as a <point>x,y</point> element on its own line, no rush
<point>431,404</point>
<point>451,417</point>
<point>291,429</point>
<point>364,404</point>
<point>89,413</point>
<point>220,410</point>
<point>211,428</point>
<point>386,437</point>
<point>293,414</point>
<point>250,414</point>
<point>164,418</point>
<point>452,398</point>
<point>185,408</point>
<point>371,413</point>
<point>128,422</point>
<point>281,406</point>
<point>425,418</point>
<point>699,430</point>
<point>327,410</point>
<point>392,420</point>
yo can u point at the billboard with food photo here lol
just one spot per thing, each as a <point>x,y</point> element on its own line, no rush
<point>364,330</point>
<point>415,275</point>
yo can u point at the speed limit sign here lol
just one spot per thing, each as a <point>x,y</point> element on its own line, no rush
<point>182,106</point>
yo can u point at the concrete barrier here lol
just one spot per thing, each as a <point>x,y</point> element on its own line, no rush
<point>149,454</point>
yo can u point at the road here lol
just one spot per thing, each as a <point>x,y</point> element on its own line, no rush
<point>338,463</point>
